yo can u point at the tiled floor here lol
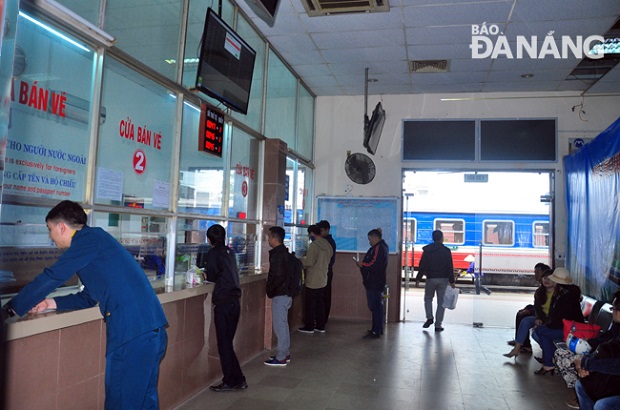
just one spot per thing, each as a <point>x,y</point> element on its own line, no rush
<point>409,368</point>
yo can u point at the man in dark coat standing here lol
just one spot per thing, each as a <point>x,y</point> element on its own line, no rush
<point>324,226</point>
<point>436,264</point>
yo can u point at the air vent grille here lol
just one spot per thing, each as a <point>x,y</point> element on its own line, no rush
<point>326,7</point>
<point>428,66</point>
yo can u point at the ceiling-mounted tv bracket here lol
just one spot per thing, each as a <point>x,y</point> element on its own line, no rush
<point>366,81</point>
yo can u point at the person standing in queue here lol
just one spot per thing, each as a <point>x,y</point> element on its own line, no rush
<point>278,281</point>
<point>373,269</point>
<point>436,265</point>
<point>222,269</point>
<point>136,336</point>
<point>324,226</point>
<point>316,263</point>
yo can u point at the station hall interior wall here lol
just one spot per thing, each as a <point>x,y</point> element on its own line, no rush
<point>339,128</point>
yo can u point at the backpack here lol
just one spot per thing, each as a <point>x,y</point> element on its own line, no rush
<point>296,281</point>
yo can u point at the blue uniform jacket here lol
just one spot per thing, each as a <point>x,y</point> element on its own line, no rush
<point>111,277</point>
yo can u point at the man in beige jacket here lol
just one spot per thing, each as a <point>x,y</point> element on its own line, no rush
<point>316,264</point>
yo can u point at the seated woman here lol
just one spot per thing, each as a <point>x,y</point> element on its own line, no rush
<point>542,303</point>
<point>528,312</point>
<point>564,305</point>
<point>599,387</point>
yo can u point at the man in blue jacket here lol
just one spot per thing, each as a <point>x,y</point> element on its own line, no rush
<point>135,322</point>
<point>436,265</point>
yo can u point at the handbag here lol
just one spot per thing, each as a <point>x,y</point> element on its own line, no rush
<point>450,298</point>
<point>580,330</point>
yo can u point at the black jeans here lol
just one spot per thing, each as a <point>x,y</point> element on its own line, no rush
<point>226,317</point>
<point>327,295</point>
<point>314,312</point>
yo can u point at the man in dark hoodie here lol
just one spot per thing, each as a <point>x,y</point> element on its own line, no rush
<point>324,226</point>
<point>222,269</point>
<point>373,269</point>
<point>436,264</point>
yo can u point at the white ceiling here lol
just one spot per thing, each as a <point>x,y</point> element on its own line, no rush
<point>330,53</point>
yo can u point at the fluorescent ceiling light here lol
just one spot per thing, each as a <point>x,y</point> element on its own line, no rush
<point>186,61</point>
<point>75,21</point>
<point>52,31</point>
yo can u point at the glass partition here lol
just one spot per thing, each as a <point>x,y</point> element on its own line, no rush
<point>143,236</point>
<point>136,141</point>
<point>49,128</point>
<point>280,112</point>
<point>243,175</point>
<point>305,124</point>
<point>201,182</point>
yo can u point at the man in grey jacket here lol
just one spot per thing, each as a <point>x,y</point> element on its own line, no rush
<point>436,265</point>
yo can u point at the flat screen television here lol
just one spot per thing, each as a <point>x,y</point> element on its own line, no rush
<point>265,9</point>
<point>225,65</point>
<point>373,129</point>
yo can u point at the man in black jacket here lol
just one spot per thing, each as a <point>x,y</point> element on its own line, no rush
<point>222,269</point>
<point>277,289</point>
<point>436,264</point>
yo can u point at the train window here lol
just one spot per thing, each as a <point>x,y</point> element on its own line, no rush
<point>540,233</point>
<point>498,232</point>
<point>453,230</point>
<point>410,230</point>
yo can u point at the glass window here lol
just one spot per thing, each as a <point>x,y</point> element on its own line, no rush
<point>49,130</point>
<point>255,106</point>
<point>453,230</point>
<point>89,9</point>
<point>201,184</point>
<point>243,175</point>
<point>148,31</point>
<point>281,102</point>
<point>136,141</point>
<point>498,232</point>
<point>25,247</point>
<point>410,230</point>
<point>191,248</point>
<point>305,124</point>
<point>304,194</point>
<point>289,197</point>
<point>143,236</point>
<point>243,240</point>
<point>540,232</point>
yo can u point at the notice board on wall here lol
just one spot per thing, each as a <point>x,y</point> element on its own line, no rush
<point>351,218</point>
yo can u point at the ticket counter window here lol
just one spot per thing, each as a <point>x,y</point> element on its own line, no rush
<point>244,178</point>
<point>25,247</point>
<point>134,158</point>
<point>201,184</point>
<point>51,102</point>
<point>143,236</point>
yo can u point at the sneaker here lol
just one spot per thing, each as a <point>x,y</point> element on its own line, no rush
<point>371,335</point>
<point>573,401</point>
<point>320,330</point>
<point>438,329</point>
<point>223,387</point>
<point>428,323</point>
<point>305,330</point>
<point>288,358</point>
<point>275,362</point>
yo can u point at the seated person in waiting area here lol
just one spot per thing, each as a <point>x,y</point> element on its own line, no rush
<point>599,372</point>
<point>565,359</point>
<point>565,304</point>
<point>542,303</point>
<point>528,311</point>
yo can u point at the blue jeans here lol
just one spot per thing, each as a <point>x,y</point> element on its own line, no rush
<point>545,338</point>
<point>524,328</point>
<point>132,371</point>
<point>439,286</point>
<point>279,318</point>
<point>586,403</point>
<point>373,297</point>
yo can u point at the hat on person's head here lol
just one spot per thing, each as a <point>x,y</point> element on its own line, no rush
<point>561,276</point>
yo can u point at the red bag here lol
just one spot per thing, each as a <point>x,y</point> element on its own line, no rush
<point>580,330</point>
